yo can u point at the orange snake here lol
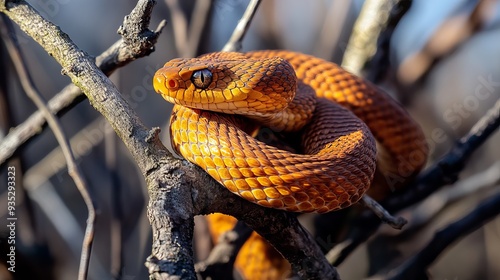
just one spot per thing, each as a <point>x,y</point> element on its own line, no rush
<point>288,92</point>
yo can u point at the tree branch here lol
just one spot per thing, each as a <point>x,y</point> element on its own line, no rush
<point>284,232</point>
<point>433,205</point>
<point>380,62</point>
<point>118,55</point>
<point>418,264</point>
<point>367,28</point>
<point>384,215</point>
<point>235,42</point>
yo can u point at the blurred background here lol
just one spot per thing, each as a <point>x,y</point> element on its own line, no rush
<point>442,63</point>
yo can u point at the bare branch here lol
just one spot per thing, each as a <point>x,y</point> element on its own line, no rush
<point>363,42</point>
<point>385,217</point>
<point>429,208</point>
<point>235,42</point>
<point>73,169</point>
<point>284,232</point>
<point>418,264</point>
<point>119,54</point>
<point>380,62</point>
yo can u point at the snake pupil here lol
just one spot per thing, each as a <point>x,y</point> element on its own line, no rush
<point>201,78</point>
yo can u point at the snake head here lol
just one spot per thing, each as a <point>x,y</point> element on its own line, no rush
<point>228,83</point>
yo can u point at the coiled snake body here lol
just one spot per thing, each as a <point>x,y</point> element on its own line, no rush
<point>288,91</point>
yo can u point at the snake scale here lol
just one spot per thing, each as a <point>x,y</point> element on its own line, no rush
<point>223,98</point>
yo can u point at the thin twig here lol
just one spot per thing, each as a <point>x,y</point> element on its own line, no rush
<point>30,232</point>
<point>235,42</point>
<point>116,246</point>
<point>73,169</point>
<point>199,19</point>
<point>335,22</point>
<point>430,207</point>
<point>443,172</point>
<point>186,41</point>
<point>418,264</point>
<point>386,217</point>
<point>139,43</point>
<point>380,62</point>
<point>180,26</point>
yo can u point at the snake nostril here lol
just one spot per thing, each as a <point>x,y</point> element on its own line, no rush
<point>163,81</point>
<point>171,83</point>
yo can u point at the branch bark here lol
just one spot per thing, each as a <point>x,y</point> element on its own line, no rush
<point>118,55</point>
<point>367,28</point>
<point>384,215</point>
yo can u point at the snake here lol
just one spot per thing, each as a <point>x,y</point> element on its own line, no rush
<point>349,129</point>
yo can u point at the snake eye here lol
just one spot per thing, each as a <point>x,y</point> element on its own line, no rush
<point>202,78</point>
